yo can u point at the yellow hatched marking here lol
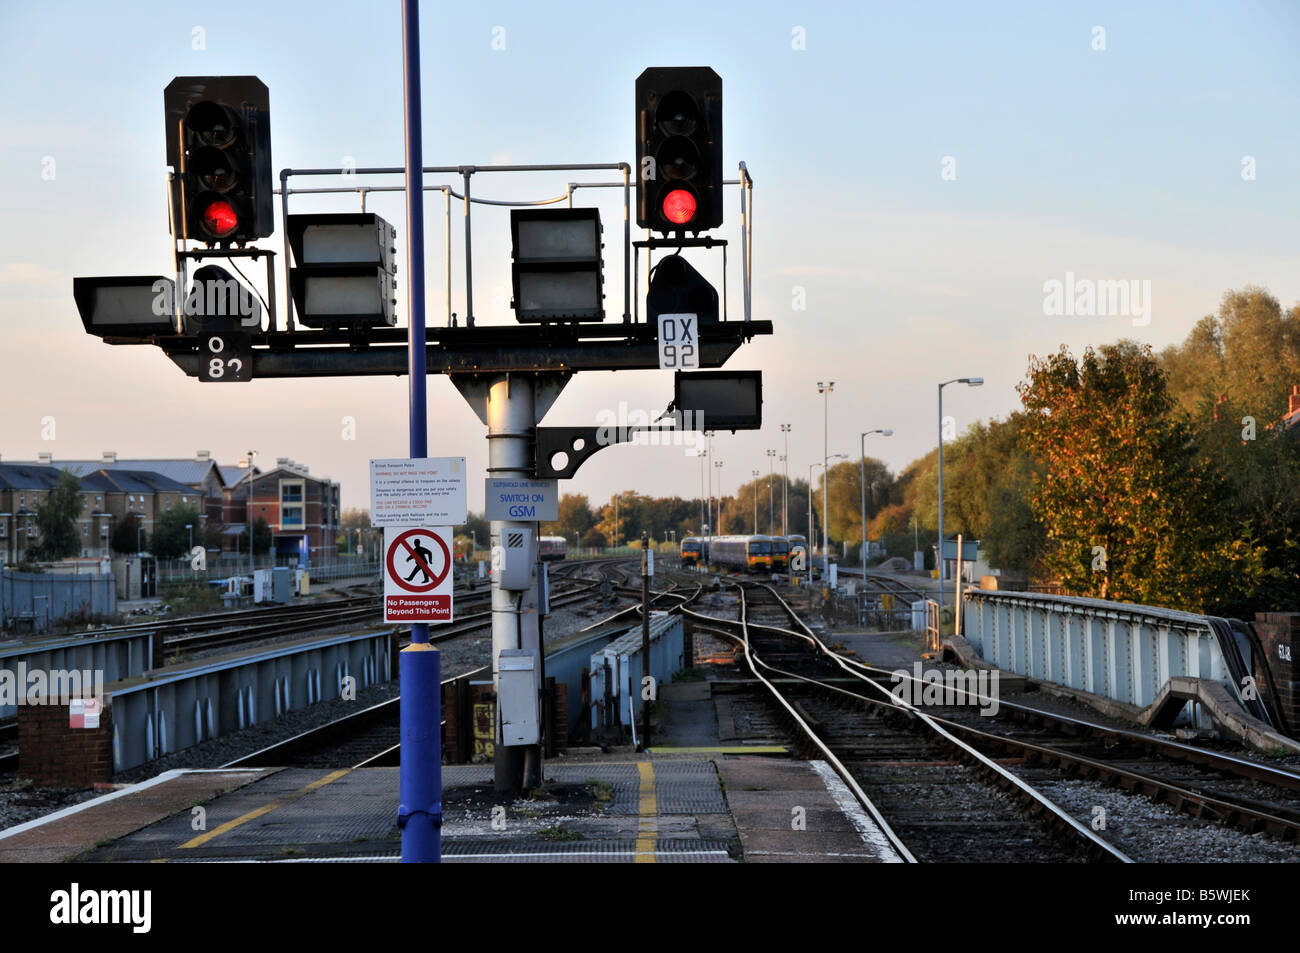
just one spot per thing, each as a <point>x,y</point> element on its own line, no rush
<point>648,810</point>
<point>264,809</point>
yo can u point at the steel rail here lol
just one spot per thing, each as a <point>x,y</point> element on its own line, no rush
<point>1004,776</point>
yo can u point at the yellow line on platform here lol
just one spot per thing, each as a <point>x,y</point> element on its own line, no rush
<point>648,811</point>
<point>265,809</point>
<point>726,749</point>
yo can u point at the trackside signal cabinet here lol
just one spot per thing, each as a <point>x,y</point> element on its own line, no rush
<point>518,697</point>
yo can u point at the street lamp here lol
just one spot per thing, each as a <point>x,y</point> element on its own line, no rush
<point>863,441</point>
<point>972,382</point>
<point>826,490</point>
<point>754,493</point>
<point>702,454</point>
<point>717,518</point>
<point>771,512</point>
<point>251,568</point>
<point>825,391</point>
<point>190,529</point>
<point>710,521</point>
<point>785,490</point>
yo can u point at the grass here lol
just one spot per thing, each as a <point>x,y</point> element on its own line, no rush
<point>191,599</point>
<point>601,791</point>
<point>558,832</point>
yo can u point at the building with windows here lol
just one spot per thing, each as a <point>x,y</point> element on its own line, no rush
<point>301,510</point>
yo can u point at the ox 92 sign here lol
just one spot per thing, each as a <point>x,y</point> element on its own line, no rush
<point>679,343</point>
<point>226,357</point>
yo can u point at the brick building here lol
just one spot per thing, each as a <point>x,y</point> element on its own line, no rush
<point>106,497</point>
<point>302,510</point>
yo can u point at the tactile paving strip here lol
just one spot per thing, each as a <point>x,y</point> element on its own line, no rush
<point>688,787</point>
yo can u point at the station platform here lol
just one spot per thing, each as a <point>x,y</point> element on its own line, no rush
<point>679,808</point>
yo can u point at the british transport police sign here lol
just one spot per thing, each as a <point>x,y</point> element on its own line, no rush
<point>418,575</point>
<point>426,492</point>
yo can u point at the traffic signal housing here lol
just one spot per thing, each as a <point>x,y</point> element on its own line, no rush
<point>219,148</point>
<point>345,269</point>
<point>679,149</point>
<point>556,269</point>
<point>677,288</point>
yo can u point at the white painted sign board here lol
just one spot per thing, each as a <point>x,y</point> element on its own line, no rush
<point>679,342</point>
<point>425,492</point>
<point>418,574</point>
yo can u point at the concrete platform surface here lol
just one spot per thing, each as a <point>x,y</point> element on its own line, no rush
<point>673,810</point>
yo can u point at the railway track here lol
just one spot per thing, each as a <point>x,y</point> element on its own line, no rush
<point>371,737</point>
<point>1044,747</point>
<point>934,797</point>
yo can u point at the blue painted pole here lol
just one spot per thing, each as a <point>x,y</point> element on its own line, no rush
<point>420,813</point>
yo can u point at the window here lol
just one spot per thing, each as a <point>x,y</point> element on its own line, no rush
<point>85,530</point>
<point>4,530</point>
<point>290,516</point>
<point>31,530</point>
<point>291,491</point>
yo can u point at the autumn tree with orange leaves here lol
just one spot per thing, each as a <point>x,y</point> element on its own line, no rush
<point>1131,510</point>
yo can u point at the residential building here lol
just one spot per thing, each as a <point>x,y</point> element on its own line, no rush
<point>301,510</point>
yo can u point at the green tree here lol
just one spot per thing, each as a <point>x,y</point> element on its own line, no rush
<point>262,538</point>
<point>56,519</point>
<point>1129,511</point>
<point>171,539</point>
<point>575,519</point>
<point>126,537</point>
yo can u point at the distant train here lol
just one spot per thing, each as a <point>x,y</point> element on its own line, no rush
<point>780,554</point>
<point>693,550</point>
<point>745,553</point>
<point>798,541</point>
<point>550,548</point>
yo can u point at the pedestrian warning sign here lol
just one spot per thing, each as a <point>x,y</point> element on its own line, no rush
<point>418,575</point>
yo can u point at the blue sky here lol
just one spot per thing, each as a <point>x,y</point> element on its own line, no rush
<point>1122,163</point>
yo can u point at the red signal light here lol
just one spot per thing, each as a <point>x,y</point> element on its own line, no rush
<point>220,218</point>
<point>679,206</point>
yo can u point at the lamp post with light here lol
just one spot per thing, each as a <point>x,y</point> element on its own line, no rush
<point>971,382</point>
<point>863,441</point>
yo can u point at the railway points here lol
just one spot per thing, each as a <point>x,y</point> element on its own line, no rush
<point>800,748</point>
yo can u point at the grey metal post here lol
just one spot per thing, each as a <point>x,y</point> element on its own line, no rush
<point>645,637</point>
<point>938,556</point>
<point>973,382</point>
<point>862,476</point>
<point>785,499</point>
<point>510,420</point>
<point>826,476</point>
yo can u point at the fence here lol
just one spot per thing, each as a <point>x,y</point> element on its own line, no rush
<point>41,600</point>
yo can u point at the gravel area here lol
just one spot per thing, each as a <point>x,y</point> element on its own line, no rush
<point>21,801</point>
<point>1157,833</point>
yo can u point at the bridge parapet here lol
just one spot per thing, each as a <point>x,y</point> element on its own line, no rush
<point>1118,650</point>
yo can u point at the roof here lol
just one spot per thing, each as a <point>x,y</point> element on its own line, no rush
<point>293,472</point>
<point>232,475</point>
<point>191,472</point>
<point>142,481</point>
<point>28,476</point>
